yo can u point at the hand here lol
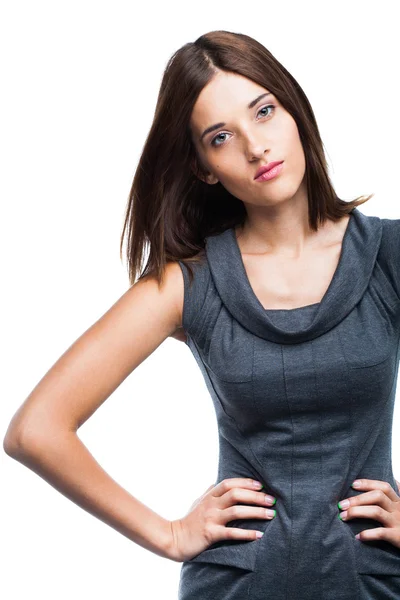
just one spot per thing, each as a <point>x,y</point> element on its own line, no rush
<point>208,515</point>
<point>381,503</point>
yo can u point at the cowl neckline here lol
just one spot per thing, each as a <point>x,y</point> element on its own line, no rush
<point>360,246</point>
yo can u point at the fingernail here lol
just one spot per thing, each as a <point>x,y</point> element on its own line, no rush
<point>270,499</point>
<point>259,534</point>
<point>258,484</point>
<point>270,513</point>
<point>343,515</point>
<point>356,483</point>
<point>343,504</point>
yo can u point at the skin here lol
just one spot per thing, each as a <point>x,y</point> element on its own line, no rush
<point>276,237</point>
<point>378,501</point>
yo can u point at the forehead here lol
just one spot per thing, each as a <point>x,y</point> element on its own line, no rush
<point>223,96</point>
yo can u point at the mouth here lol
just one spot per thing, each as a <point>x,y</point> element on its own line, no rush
<point>267,167</point>
<point>268,171</point>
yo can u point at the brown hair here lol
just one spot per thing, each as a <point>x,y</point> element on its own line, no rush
<point>169,207</point>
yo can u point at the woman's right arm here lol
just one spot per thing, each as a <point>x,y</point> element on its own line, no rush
<point>42,434</point>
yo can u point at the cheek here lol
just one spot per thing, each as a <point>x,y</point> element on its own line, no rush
<point>297,146</point>
<point>300,161</point>
<point>228,172</point>
<point>294,156</point>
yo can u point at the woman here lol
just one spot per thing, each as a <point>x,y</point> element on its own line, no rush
<point>289,299</point>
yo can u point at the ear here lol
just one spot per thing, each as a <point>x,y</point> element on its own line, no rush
<point>211,179</point>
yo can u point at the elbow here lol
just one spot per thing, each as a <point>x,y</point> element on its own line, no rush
<point>20,441</point>
<point>11,442</point>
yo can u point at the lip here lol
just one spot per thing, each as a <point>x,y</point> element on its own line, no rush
<point>271,173</point>
<point>267,167</point>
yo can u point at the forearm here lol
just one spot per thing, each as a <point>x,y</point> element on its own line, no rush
<point>66,463</point>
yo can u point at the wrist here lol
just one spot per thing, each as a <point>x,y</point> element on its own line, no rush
<point>170,545</point>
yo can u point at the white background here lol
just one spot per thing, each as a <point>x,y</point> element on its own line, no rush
<point>79,86</point>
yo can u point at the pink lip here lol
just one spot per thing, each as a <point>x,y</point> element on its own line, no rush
<point>272,170</point>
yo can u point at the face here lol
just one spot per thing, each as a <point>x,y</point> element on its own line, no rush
<point>245,138</point>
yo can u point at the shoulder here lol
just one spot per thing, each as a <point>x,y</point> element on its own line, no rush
<point>390,236</point>
<point>196,280</point>
<point>389,251</point>
<point>169,294</point>
<point>391,227</point>
<point>181,292</point>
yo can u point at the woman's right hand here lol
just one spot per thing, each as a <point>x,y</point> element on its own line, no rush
<point>208,515</point>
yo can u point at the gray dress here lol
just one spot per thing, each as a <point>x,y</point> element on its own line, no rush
<point>304,403</point>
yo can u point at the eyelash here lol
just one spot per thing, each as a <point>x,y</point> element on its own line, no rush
<point>222,133</point>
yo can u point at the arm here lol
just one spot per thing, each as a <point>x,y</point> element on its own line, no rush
<point>42,434</point>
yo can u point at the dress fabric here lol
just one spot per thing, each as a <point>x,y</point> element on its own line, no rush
<point>304,401</point>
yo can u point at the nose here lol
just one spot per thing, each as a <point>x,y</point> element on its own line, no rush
<point>255,149</point>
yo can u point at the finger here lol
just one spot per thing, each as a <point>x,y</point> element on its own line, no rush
<point>377,497</point>
<point>379,533</point>
<point>227,484</point>
<point>234,533</point>
<point>238,495</point>
<point>232,513</point>
<point>372,484</point>
<point>368,512</point>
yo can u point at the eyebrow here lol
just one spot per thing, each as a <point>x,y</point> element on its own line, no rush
<point>218,125</point>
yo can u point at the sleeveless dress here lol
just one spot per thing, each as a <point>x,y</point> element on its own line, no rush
<point>304,401</point>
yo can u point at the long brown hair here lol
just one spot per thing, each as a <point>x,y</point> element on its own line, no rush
<point>169,208</point>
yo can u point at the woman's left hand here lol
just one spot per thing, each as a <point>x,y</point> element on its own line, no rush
<point>379,502</point>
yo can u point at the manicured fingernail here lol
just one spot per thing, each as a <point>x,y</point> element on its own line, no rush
<point>343,504</point>
<point>258,484</point>
<point>343,515</point>
<point>356,483</point>
<point>270,499</point>
<point>259,534</point>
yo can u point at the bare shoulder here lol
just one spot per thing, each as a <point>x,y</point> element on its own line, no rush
<point>171,293</point>
<point>99,360</point>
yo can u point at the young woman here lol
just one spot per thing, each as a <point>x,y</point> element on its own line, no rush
<point>289,299</point>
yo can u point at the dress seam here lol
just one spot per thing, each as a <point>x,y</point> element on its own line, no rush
<point>291,474</point>
<point>321,520</point>
<point>232,419</point>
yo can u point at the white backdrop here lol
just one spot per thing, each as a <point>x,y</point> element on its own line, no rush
<point>79,86</point>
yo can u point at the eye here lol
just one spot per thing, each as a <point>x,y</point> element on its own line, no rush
<point>217,137</point>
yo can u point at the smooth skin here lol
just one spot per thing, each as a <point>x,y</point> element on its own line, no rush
<point>276,237</point>
<point>43,432</point>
